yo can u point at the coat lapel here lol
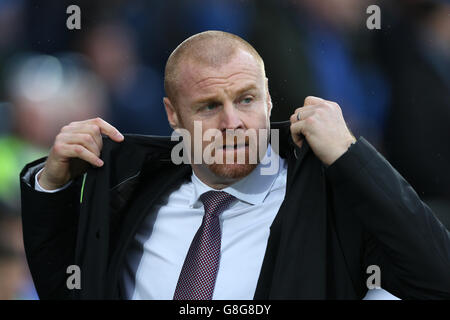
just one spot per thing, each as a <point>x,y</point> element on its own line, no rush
<point>152,187</point>
<point>295,265</point>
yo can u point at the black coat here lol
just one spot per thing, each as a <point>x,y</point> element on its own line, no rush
<point>333,223</point>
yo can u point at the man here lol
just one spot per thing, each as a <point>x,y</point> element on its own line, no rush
<point>140,226</point>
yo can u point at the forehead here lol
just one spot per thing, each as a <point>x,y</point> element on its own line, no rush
<point>242,69</point>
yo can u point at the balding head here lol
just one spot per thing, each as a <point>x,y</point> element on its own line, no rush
<point>209,48</point>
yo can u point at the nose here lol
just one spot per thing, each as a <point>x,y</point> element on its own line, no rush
<point>230,118</point>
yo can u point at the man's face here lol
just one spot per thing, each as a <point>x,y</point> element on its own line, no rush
<point>232,98</point>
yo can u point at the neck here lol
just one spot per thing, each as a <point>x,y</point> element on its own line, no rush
<point>212,180</point>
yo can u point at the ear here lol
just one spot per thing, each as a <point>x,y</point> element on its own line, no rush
<point>172,115</point>
<point>268,98</point>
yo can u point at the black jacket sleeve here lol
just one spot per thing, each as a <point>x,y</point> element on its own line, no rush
<point>49,230</point>
<point>403,237</point>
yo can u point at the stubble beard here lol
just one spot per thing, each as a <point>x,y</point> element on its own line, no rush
<point>235,170</point>
<point>232,171</point>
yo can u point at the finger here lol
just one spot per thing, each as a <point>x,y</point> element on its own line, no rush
<point>306,108</point>
<point>297,129</point>
<point>302,113</point>
<point>333,104</point>
<point>91,129</point>
<point>310,100</point>
<point>84,139</point>
<point>104,127</point>
<point>107,129</point>
<point>79,151</point>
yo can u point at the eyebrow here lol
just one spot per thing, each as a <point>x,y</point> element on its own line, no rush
<point>238,93</point>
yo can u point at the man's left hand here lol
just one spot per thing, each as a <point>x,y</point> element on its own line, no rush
<point>322,124</point>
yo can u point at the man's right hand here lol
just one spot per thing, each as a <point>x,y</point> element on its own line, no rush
<point>76,146</point>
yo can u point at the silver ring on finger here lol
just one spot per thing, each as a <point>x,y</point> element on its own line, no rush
<point>298,116</point>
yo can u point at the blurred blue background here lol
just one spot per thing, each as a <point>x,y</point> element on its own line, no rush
<point>392,84</point>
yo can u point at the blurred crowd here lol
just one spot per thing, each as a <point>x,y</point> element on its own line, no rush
<point>392,84</point>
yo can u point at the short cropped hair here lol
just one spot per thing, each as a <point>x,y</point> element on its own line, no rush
<point>210,48</point>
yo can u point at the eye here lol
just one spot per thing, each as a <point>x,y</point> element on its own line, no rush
<point>209,107</point>
<point>247,100</point>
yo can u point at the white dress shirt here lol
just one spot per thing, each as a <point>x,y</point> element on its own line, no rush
<point>38,187</point>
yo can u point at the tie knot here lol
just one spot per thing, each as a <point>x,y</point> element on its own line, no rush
<point>216,202</point>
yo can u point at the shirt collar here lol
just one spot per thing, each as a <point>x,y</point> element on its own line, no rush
<point>252,189</point>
